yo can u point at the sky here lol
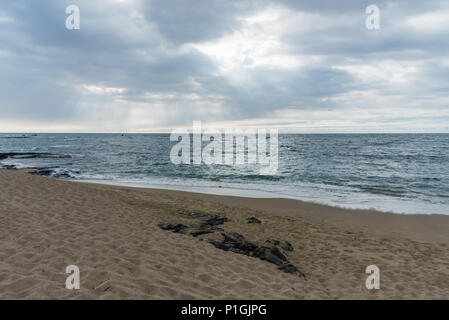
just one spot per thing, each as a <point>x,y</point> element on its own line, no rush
<point>152,66</point>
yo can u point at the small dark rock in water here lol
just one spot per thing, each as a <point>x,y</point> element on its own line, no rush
<point>62,175</point>
<point>43,172</point>
<point>50,172</point>
<point>175,227</point>
<point>253,220</point>
<point>9,167</point>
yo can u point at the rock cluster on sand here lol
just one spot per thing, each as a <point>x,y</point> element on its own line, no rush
<point>253,220</point>
<point>285,245</point>
<point>235,242</point>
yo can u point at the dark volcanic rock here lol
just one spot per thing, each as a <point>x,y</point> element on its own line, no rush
<point>174,227</point>
<point>212,221</point>
<point>285,245</point>
<point>289,268</point>
<point>238,243</point>
<point>9,167</point>
<point>253,220</point>
<point>272,255</point>
<point>62,175</point>
<point>206,219</point>
<point>199,232</point>
<point>50,172</point>
<point>46,172</point>
<point>219,245</point>
<point>235,242</point>
<point>32,155</point>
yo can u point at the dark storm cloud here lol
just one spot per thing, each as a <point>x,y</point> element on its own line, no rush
<point>193,21</point>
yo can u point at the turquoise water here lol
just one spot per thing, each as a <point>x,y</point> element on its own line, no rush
<point>404,173</point>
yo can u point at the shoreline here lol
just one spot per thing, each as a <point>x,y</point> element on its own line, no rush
<point>390,222</point>
<point>339,198</point>
<point>113,234</point>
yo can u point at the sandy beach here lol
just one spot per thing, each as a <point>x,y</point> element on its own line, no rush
<point>113,235</point>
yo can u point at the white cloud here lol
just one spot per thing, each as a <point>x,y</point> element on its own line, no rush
<point>91,89</point>
<point>429,22</point>
<point>257,43</point>
<point>387,71</point>
<point>4,18</point>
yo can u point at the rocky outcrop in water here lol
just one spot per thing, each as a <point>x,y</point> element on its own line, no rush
<point>51,172</point>
<point>40,171</point>
<point>9,167</point>
<point>32,155</point>
<point>233,241</point>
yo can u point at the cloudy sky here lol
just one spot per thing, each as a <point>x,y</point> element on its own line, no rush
<point>149,66</point>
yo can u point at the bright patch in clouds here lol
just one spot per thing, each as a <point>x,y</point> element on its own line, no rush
<point>433,22</point>
<point>389,72</point>
<point>256,43</point>
<point>90,89</point>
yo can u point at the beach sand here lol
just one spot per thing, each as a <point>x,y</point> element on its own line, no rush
<point>111,233</point>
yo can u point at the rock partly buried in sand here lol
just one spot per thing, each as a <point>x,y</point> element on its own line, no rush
<point>200,232</point>
<point>285,245</point>
<point>208,224</point>
<point>289,268</point>
<point>253,220</point>
<point>174,227</point>
<point>206,219</point>
<point>273,255</point>
<point>237,243</point>
<point>233,241</point>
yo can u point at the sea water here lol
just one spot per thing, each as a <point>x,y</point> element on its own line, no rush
<point>402,173</point>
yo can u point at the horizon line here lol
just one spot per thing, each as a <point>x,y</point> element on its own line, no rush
<point>135,133</point>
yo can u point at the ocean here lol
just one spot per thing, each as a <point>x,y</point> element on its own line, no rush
<point>401,173</point>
